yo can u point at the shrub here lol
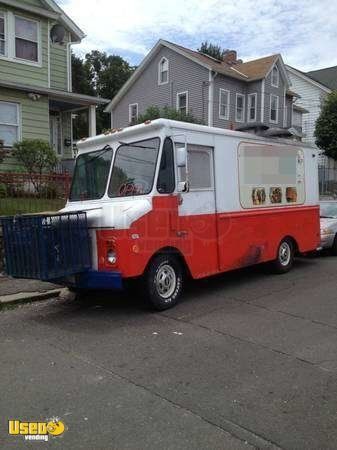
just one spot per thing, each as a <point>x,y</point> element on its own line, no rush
<point>3,190</point>
<point>37,157</point>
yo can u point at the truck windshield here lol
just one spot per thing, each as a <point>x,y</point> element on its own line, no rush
<point>91,175</point>
<point>134,168</point>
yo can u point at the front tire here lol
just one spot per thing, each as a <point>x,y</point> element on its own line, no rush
<point>164,282</point>
<point>285,257</point>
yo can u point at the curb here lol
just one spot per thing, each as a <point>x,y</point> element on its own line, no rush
<point>27,297</point>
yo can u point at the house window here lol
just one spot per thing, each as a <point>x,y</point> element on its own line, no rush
<point>133,113</point>
<point>26,39</point>
<point>274,108</point>
<point>182,102</point>
<point>9,123</point>
<point>224,99</point>
<point>240,108</point>
<point>2,35</point>
<point>163,68</point>
<point>275,76</point>
<point>252,106</point>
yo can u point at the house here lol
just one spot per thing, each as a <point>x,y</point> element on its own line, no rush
<point>36,98</point>
<point>225,93</point>
<point>311,93</point>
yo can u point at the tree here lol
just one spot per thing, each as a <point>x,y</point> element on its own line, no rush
<point>81,77</point>
<point>37,157</point>
<point>154,112</point>
<point>326,126</point>
<point>102,75</point>
<point>213,50</point>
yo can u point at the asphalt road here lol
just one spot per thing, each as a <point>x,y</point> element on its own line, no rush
<point>247,360</point>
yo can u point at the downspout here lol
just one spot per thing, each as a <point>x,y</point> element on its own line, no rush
<point>211,78</point>
<point>262,100</point>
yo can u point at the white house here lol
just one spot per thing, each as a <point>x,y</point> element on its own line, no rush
<point>311,95</point>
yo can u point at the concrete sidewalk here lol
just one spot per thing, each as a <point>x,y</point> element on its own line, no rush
<point>14,290</point>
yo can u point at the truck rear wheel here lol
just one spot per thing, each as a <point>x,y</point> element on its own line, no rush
<point>285,256</point>
<point>164,282</point>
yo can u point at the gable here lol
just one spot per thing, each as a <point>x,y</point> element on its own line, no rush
<point>307,80</point>
<point>48,9</point>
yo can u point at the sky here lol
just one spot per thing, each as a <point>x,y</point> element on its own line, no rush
<point>303,31</point>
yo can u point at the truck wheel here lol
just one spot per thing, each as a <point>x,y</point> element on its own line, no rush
<point>285,257</point>
<point>163,282</point>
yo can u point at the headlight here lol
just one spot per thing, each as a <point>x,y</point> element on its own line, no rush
<point>325,231</point>
<point>111,256</point>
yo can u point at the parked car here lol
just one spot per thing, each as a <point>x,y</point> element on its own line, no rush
<point>328,214</point>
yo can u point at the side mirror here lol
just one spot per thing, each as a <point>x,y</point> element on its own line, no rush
<point>183,186</point>
<point>181,156</point>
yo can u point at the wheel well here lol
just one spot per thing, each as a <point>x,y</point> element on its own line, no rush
<point>171,251</point>
<point>294,242</point>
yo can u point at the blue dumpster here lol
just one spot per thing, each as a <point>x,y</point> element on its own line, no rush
<point>46,247</point>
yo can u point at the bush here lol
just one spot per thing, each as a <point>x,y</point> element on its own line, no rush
<point>49,190</point>
<point>37,157</point>
<point>3,190</point>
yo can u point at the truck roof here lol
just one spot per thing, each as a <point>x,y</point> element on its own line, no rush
<point>151,125</point>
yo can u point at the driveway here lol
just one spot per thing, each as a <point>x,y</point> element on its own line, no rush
<point>246,360</point>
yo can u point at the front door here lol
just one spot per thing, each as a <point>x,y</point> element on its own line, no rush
<point>197,215</point>
<point>55,134</point>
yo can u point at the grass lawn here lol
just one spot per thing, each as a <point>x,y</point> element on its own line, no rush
<point>11,206</point>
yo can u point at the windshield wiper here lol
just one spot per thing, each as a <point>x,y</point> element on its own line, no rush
<point>100,153</point>
<point>327,217</point>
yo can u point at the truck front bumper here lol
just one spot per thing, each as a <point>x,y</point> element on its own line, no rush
<point>93,279</point>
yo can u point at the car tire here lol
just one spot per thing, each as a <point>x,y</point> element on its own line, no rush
<point>163,282</point>
<point>285,257</point>
<point>334,246</point>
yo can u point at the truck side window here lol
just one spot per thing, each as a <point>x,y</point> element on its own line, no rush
<point>166,178</point>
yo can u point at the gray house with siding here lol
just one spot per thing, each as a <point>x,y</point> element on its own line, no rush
<point>225,93</point>
<point>36,98</point>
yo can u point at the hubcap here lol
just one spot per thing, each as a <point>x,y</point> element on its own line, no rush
<point>166,281</point>
<point>284,253</point>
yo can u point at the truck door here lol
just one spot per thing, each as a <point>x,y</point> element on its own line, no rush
<point>196,210</point>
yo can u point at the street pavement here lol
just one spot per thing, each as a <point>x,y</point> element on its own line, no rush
<point>246,360</point>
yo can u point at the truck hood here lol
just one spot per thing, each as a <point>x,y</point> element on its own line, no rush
<point>118,214</point>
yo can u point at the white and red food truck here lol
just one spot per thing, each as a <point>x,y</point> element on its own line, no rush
<point>165,198</point>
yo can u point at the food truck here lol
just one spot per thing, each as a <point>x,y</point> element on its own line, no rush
<point>164,200</point>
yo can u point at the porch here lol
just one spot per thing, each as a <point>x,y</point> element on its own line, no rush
<point>44,113</point>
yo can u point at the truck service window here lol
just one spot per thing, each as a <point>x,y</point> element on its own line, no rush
<point>270,175</point>
<point>134,168</point>
<point>91,175</point>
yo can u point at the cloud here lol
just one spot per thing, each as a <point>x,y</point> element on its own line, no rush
<point>304,31</point>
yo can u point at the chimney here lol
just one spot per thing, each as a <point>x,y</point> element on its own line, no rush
<point>230,57</point>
